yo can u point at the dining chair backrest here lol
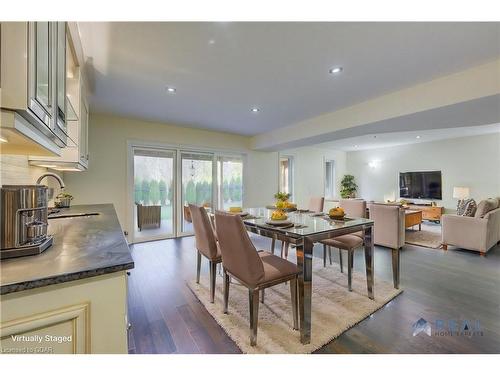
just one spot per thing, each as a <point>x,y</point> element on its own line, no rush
<point>354,207</point>
<point>389,225</point>
<point>203,231</point>
<point>239,256</point>
<point>316,204</point>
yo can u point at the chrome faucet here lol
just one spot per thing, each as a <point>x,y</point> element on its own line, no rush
<point>59,179</point>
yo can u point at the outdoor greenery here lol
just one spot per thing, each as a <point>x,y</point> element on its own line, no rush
<point>348,187</point>
<point>154,192</point>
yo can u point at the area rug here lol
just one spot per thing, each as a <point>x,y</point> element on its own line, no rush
<point>334,310</point>
<point>429,236</point>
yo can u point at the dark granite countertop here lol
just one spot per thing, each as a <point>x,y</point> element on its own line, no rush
<point>83,247</point>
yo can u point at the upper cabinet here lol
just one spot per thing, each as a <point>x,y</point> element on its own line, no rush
<point>72,108</point>
<point>32,82</point>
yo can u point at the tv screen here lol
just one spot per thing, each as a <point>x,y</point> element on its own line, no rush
<point>420,185</point>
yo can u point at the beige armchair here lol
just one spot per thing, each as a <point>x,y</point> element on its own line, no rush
<point>389,231</point>
<point>479,233</point>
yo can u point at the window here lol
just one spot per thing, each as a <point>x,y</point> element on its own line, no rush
<point>286,175</point>
<point>230,181</point>
<point>329,179</point>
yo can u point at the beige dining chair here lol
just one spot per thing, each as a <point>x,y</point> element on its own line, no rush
<point>206,245</point>
<point>352,208</point>
<point>316,204</point>
<point>255,270</point>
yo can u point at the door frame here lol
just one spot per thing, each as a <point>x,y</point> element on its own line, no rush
<point>177,176</point>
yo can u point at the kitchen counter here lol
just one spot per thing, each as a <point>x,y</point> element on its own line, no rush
<point>83,247</point>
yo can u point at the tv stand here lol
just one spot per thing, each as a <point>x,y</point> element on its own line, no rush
<point>429,212</point>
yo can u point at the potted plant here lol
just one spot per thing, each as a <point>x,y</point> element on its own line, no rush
<point>348,187</point>
<point>280,196</point>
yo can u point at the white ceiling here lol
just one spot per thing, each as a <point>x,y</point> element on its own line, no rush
<point>379,140</point>
<point>282,68</point>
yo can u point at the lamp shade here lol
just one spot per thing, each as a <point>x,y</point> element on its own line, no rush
<point>460,192</point>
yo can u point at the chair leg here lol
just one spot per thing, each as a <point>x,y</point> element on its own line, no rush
<point>262,295</point>
<point>295,305</point>
<point>253,299</point>
<point>350,256</point>
<point>396,267</point>
<point>273,242</point>
<point>213,275</point>
<point>287,245</point>
<point>282,253</point>
<point>341,262</point>
<point>330,254</point>
<point>227,282</point>
<point>324,255</point>
<point>198,267</point>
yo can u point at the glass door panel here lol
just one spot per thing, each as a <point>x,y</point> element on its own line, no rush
<point>154,198</point>
<point>43,64</point>
<point>61,75</point>
<point>196,181</point>
<point>230,182</point>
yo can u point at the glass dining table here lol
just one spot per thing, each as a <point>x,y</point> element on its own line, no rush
<point>305,229</point>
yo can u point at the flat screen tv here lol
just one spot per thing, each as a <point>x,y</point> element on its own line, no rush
<point>420,185</point>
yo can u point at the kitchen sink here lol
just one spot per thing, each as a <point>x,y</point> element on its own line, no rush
<point>66,215</point>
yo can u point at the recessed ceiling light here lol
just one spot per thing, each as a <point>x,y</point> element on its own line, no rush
<point>418,137</point>
<point>255,110</point>
<point>336,70</point>
<point>355,146</point>
<point>211,41</point>
<point>171,89</point>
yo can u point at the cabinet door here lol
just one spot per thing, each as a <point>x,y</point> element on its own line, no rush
<point>84,133</point>
<point>61,75</point>
<point>41,79</point>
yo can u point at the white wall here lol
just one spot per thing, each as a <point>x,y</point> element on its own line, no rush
<point>309,172</point>
<point>106,179</point>
<point>473,162</point>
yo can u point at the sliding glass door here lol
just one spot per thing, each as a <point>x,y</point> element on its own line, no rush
<point>166,180</point>
<point>197,176</point>
<point>229,182</point>
<point>154,171</point>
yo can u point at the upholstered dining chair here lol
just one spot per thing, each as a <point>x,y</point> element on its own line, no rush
<point>352,208</point>
<point>206,245</point>
<point>316,204</point>
<point>389,231</point>
<point>255,270</point>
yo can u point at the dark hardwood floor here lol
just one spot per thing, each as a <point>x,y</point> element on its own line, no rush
<point>455,285</point>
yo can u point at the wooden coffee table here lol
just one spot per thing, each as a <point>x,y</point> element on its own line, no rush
<point>412,218</point>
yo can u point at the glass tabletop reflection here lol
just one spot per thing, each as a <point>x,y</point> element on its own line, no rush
<point>304,223</point>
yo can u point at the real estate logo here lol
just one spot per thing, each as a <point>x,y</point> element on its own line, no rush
<point>450,327</point>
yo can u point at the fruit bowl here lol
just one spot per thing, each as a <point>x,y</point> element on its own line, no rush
<point>336,213</point>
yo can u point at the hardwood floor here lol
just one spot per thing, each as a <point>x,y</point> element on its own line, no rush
<point>457,285</point>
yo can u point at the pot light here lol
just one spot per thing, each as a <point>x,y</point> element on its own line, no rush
<point>418,137</point>
<point>211,41</point>
<point>336,70</point>
<point>355,146</point>
<point>255,110</point>
<point>171,90</point>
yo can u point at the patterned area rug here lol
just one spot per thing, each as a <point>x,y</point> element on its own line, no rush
<point>429,236</point>
<point>334,310</point>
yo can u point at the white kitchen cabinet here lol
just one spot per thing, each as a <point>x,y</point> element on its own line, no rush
<point>32,80</point>
<point>74,157</point>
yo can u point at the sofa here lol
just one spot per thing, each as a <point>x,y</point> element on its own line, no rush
<point>478,233</point>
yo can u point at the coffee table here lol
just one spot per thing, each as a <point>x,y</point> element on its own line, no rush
<point>412,218</point>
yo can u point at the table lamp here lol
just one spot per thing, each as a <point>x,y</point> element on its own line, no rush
<point>461,193</point>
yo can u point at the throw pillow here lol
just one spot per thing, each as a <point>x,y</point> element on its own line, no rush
<point>486,206</point>
<point>466,207</point>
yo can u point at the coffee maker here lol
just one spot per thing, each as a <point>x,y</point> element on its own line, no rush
<point>23,220</point>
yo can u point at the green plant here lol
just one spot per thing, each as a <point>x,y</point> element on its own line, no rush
<point>145,192</point>
<point>281,196</point>
<point>163,193</point>
<point>138,190</point>
<point>64,195</point>
<point>154,192</point>
<point>348,187</point>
